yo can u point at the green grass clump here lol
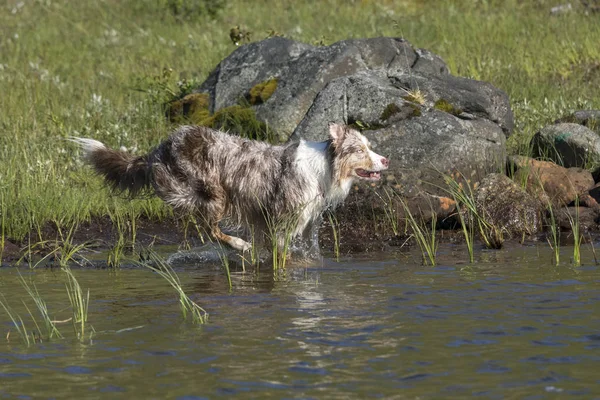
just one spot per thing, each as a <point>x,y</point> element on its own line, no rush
<point>104,69</point>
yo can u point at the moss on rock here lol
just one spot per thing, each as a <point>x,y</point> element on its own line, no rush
<point>406,111</point>
<point>261,92</point>
<point>444,105</point>
<point>389,110</point>
<point>194,106</point>
<point>241,119</point>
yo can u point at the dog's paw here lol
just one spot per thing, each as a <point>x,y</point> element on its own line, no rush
<point>240,244</point>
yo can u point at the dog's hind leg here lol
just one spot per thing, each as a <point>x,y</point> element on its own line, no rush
<point>235,242</point>
<point>211,206</point>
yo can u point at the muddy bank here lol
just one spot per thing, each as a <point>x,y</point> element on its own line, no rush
<point>357,229</point>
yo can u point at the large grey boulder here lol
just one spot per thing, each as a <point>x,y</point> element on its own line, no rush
<point>302,71</point>
<point>425,149</point>
<point>567,144</point>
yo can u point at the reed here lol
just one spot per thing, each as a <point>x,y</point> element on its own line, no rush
<point>2,227</point>
<point>51,329</point>
<point>554,238</point>
<point>389,209</point>
<point>18,323</point>
<point>188,307</point>
<point>464,196</point>
<point>225,263</point>
<point>79,305</point>
<point>424,235</point>
<point>577,236</point>
<point>279,232</point>
<point>335,229</point>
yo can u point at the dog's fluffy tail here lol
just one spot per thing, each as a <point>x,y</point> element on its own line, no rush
<point>122,171</point>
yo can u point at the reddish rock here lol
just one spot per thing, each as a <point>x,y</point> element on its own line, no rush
<point>551,182</point>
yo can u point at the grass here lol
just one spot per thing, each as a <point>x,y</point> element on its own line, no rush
<point>18,324</point>
<point>554,237</point>
<point>279,232</point>
<point>2,227</point>
<point>188,307</point>
<point>50,325</point>
<point>223,256</point>
<point>390,212</point>
<point>79,305</point>
<point>424,235</point>
<point>577,236</point>
<point>335,229</point>
<point>463,193</point>
<point>79,309</point>
<point>96,69</point>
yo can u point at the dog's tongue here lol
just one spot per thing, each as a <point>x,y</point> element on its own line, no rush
<point>375,175</point>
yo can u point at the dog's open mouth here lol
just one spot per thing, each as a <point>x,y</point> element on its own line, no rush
<point>371,175</point>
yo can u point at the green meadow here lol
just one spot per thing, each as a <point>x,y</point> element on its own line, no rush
<point>104,69</point>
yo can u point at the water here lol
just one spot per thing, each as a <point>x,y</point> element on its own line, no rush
<point>371,326</point>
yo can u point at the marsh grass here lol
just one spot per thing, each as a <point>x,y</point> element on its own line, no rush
<point>18,324</point>
<point>35,334</point>
<point>80,302</point>
<point>65,248</point>
<point>62,83</point>
<point>577,236</point>
<point>224,257</point>
<point>554,234</point>
<point>51,329</point>
<point>188,307</point>
<point>391,215</point>
<point>2,227</point>
<point>593,249</point>
<point>335,230</point>
<point>279,232</point>
<point>463,194</point>
<point>424,234</point>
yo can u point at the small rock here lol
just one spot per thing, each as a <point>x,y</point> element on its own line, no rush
<point>10,251</point>
<point>584,216</point>
<point>507,206</point>
<point>561,9</point>
<point>550,182</point>
<point>587,118</point>
<point>567,144</point>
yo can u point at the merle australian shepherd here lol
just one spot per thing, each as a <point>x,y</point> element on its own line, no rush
<point>214,175</point>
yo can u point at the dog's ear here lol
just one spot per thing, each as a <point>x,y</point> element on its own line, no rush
<point>337,132</point>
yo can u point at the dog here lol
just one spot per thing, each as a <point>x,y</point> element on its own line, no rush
<point>214,176</point>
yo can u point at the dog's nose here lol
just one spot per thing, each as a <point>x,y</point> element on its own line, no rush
<point>385,162</point>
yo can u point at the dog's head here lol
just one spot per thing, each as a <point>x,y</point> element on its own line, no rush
<point>355,159</point>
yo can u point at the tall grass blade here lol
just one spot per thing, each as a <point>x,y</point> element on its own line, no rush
<point>188,306</point>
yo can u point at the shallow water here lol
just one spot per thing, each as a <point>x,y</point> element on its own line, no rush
<point>371,326</point>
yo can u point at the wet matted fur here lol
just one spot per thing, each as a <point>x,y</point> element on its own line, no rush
<point>214,175</point>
